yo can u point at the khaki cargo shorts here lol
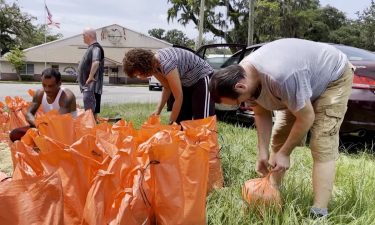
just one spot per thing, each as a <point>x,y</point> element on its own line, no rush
<point>330,109</point>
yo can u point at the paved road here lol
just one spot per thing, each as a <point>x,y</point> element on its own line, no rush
<point>112,95</point>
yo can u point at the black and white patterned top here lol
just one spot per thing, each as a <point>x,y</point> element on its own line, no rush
<point>189,65</point>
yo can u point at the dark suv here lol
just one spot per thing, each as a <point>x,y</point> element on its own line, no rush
<point>360,116</point>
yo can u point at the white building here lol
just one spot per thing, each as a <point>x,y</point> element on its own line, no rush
<point>65,54</point>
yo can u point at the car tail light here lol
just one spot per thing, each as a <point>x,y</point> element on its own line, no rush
<point>362,82</point>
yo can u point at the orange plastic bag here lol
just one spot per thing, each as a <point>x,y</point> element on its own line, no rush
<point>179,170</point>
<point>152,126</point>
<point>77,165</point>
<point>66,129</point>
<point>17,108</point>
<point>84,124</point>
<point>115,192</point>
<point>26,161</point>
<point>56,126</point>
<point>194,147</point>
<point>4,124</point>
<point>121,194</point>
<point>260,191</point>
<point>37,200</point>
<point>215,175</point>
<point>4,116</point>
<point>4,177</point>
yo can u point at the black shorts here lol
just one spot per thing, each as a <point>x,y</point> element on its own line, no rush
<point>197,103</point>
<point>98,98</point>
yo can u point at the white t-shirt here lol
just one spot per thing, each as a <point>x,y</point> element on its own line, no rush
<point>294,70</point>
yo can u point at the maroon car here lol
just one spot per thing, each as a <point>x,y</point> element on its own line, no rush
<point>360,116</point>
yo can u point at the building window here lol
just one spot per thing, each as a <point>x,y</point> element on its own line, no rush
<point>56,67</point>
<point>114,71</point>
<point>106,71</point>
<point>28,69</point>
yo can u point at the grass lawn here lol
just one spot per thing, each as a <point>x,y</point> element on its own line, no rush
<point>354,191</point>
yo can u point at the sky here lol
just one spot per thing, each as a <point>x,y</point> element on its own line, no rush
<point>137,15</point>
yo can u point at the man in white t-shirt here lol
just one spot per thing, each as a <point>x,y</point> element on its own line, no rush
<point>309,84</point>
<point>51,97</point>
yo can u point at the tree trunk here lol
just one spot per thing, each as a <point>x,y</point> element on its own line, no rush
<point>19,76</point>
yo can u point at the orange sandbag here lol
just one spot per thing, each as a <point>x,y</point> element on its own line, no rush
<point>152,126</point>
<point>194,147</point>
<point>26,162</point>
<point>77,165</point>
<point>84,124</point>
<point>260,191</point>
<point>215,175</point>
<point>123,129</point>
<point>56,126</point>
<point>4,124</point>
<point>168,200</point>
<point>17,108</point>
<point>4,177</point>
<point>4,116</point>
<point>117,195</point>
<point>36,200</point>
<point>179,169</point>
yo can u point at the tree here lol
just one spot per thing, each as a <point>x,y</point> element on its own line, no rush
<point>366,21</point>
<point>17,30</point>
<point>273,19</point>
<point>16,58</point>
<point>157,33</point>
<point>348,35</point>
<point>177,37</point>
<point>216,20</point>
<point>173,36</point>
<point>13,26</point>
<point>37,37</point>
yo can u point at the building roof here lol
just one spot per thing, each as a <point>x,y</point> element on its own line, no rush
<point>115,40</point>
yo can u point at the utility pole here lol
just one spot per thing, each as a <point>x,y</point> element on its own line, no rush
<point>250,31</point>
<point>198,43</point>
<point>45,34</point>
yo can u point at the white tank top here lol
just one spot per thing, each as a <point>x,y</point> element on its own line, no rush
<point>55,104</point>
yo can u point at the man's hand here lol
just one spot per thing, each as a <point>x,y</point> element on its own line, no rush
<point>89,80</point>
<point>280,162</point>
<point>262,165</point>
<point>155,113</point>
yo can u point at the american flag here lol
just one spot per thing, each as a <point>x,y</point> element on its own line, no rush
<point>49,18</point>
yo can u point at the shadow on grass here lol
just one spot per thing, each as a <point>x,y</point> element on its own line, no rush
<point>354,145</point>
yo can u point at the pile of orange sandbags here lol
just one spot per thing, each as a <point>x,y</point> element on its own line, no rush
<point>112,173</point>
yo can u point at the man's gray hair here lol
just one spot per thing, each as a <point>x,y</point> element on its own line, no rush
<point>90,32</point>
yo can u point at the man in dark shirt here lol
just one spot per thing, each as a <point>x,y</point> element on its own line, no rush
<point>90,72</point>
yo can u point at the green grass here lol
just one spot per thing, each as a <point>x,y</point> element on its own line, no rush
<point>354,191</point>
<point>5,159</point>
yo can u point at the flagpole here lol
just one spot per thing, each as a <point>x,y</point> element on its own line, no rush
<point>45,34</point>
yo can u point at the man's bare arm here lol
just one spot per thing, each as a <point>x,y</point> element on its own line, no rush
<point>94,68</point>
<point>37,100</point>
<point>263,121</point>
<point>68,103</point>
<point>304,120</point>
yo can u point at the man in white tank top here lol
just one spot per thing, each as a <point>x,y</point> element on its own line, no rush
<point>51,97</point>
